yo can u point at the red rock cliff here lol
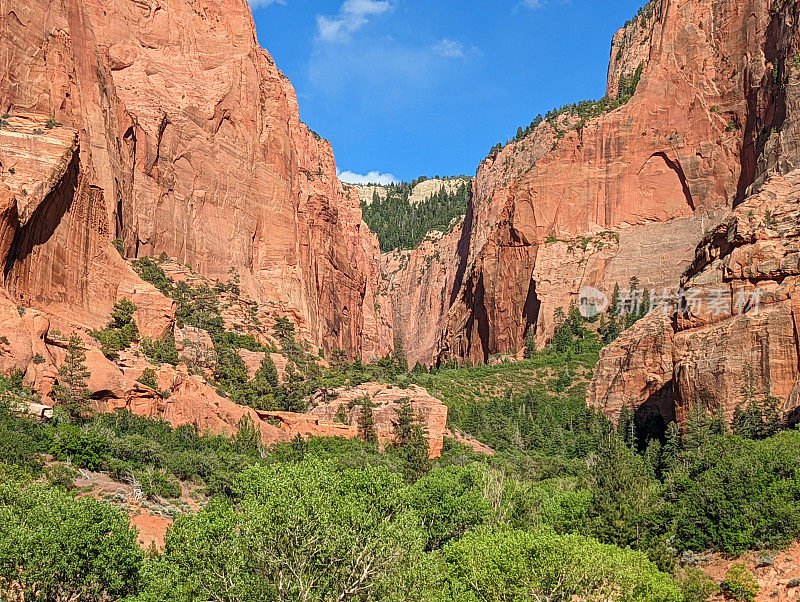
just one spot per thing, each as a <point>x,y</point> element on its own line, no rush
<point>687,146</point>
<point>188,142</point>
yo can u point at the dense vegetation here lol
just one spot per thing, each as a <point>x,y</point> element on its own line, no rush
<point>399,224</point>
<point>570,505</point>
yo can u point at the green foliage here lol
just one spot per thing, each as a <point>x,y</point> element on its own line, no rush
<point>739,584</point>
<point>121,331</point>
<point>83,448</point>
<point>402,225</point>
<point>148,378</point>
<point>58,548</point>
<point>158,483</point>
<point>514,566</point>
<point>119,245</point>
<point>449,502</point>
<point>732,494</point>
<point>366,422</point>
<point>150,271</point>
<point>70,390</point>
<point>303,531</point>
<point>52,122</point>
<point>161,351</point>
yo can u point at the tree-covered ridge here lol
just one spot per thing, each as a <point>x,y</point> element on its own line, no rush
<point>400,224</point>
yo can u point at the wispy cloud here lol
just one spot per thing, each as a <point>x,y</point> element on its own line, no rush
<point>264,3</point>
<point>449,49</point>
<point>353,15</point>
<point>373,177</point>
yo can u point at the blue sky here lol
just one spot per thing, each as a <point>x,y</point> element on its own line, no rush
<point>426,87</point>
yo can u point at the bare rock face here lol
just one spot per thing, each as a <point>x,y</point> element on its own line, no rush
<point>735,325</point>
<point>431,412</point>
<point>419,284</point>
<point>716,78</point>
<point>186,140</point>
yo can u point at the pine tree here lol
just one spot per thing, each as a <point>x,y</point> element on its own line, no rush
<point>341,415</point>
<point>614,308</point>
<point>70,390</point>
<point>405,422</point>
<point>366,422</point>
<point>399,355</point>
<point>530,342</point>
<point>248,437</point>
<point>672,446</point>
<point>415,454</point>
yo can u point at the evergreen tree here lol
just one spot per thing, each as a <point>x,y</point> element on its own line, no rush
<point>698,427</point>
<point>70,390</point>
<point>399,354</point>
<point>248,437</point>
<point>415,453</point>
<point>341,415</point>
<point>614,309</point>
<point>366,422</point>
<point>644,309</point>
<point>672,446</point>
<point>405,422</point>
<point>626,427</point>
<point>530,342</point>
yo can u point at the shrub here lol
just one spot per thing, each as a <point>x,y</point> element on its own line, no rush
<point>739,584</point>
<point>449,502</point>
<point>83,449</point>
<point>119,245</point>
<point>161,351</point>
<point>148,378</point>
<point>508,566</point>
<point>58,548</point>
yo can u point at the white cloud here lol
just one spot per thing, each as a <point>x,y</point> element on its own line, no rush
<point>264,3</point>
<point>373,177</point>
<point>353,15</point>
<point>533,4</point>
<point>450,49</point>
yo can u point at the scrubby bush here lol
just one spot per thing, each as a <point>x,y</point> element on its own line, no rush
<point>55,547</point>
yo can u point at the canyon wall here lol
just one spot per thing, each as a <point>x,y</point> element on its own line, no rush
<point>704,122</point>
<point>732,338</point>
<point>189,143</point>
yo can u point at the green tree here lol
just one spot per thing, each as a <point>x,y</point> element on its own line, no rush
<point>121,331</point>
<point>70,390</point>
<point>58,548</point>
<point>450,502</point>
<point>148,378</point>
<point>399,354</point>
<point>341,415</point>
<point>300,531</point>
<point>248,438</point>
<point>515,566</point>
<point>366,422</point>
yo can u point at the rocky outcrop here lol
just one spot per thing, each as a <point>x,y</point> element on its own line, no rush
<point>716,79</point>
<point>431,412</point>
<point>420,192</point>
<point>734,328</point>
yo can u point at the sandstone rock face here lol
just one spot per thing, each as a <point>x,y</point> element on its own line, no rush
<point>387,399</point>
<point>188,143</point>
<point>419,284</point>
<point>685,146</point>
<point>420,192</point>
<point>737,316</point>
